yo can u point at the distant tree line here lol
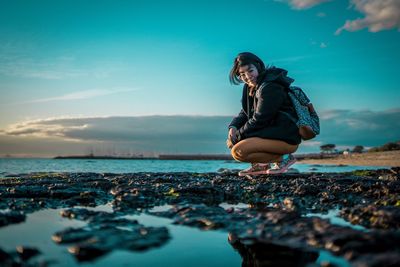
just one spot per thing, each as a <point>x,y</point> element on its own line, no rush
<point>331,148</point>
<point>386,147</point>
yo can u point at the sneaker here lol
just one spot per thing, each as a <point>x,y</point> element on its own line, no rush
<point>283,166</point>
<point>256,169</point>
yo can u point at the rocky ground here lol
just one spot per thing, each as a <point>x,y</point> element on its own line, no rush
<point>275,231</point>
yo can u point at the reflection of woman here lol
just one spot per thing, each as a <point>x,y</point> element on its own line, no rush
<point>264,131</point>
<point>267,253</point>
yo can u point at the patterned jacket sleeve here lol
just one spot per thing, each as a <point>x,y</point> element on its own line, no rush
<point>270,98</point>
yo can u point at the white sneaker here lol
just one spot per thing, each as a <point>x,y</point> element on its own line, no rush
<point>283,166</point>
<point>256,169</point>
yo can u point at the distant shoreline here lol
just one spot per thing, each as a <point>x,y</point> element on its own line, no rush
<point>188,157</point>
<point>384,159</point>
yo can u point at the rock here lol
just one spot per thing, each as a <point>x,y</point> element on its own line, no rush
<point>25,253</point>
<point>86,252</point>
<point>106,232</point>
<point>278,211</point>
<point>11,217</point>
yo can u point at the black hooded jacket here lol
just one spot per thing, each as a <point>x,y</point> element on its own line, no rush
<point>269,113</point>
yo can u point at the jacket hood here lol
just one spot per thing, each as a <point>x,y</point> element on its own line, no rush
<point>278,75</point>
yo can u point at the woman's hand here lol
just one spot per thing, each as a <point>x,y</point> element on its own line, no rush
<point>232,137</point>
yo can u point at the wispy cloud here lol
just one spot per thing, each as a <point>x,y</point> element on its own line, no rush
<point>302,4</point>
<point>84,95</point>
<point>87,94</point>
<point>379,15</point>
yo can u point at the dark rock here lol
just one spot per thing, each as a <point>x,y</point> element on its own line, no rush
<point>388,259</point>
<point>25,253</point>
<point>11,217</point>
<point>87,252</point>
<point>373,217</point>
<point>106,232</point>
<point>278,208</point>
<point>265,253</point>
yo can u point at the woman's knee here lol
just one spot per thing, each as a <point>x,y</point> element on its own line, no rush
<point>292,149</point>
<point>238,153</point>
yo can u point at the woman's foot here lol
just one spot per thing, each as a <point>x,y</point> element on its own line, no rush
<point>283,166</point>
<point>256,169</point>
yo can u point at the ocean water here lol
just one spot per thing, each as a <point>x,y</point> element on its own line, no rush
<point>9,166</point>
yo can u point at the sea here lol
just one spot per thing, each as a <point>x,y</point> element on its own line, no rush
<point>188,246</point>
<point>13,166</point>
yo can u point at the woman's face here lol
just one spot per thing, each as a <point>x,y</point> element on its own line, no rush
<point>248,74</point>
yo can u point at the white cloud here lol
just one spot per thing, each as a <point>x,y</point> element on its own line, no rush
<point>323,45</point>
<point>379,15</point>
<point>303,4</point>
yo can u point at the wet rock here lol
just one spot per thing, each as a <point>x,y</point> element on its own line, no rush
<point>389,259</point>
<point>84,214</point>
<point>87,252</point>
<point>4,256</point>
<point>25,253</point>
<point>11,217</point>
<point>373,217</point>
<point>23,256</point>
<point>278,208</point>
<point>71,235</point>
<point>106,232</point>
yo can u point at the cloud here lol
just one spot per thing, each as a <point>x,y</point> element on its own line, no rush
<point>183,134</point>
<point>86,94</point>
<point>302,4</point>
<point>82,95</point>
<point>168,134</point>
<point>365,127</point>
<point>379,15</point>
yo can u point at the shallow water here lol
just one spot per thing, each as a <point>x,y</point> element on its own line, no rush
<point>15,166</point>
<point>187,246</point>
<point>333,216</point>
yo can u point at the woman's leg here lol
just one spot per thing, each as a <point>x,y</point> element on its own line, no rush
<point>261,150</point>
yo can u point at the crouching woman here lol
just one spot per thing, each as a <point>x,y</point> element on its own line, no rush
<point>264,133</point>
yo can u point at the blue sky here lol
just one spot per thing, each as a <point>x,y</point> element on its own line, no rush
<point>93,59</point>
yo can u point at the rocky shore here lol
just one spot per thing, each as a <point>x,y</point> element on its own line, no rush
<point>277,228</point>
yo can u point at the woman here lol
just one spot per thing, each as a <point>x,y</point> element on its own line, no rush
<point>264,132</point>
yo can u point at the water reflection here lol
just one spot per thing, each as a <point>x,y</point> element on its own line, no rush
<point>270,254</point>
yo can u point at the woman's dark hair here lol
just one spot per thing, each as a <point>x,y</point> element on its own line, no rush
<point>244,59</point>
